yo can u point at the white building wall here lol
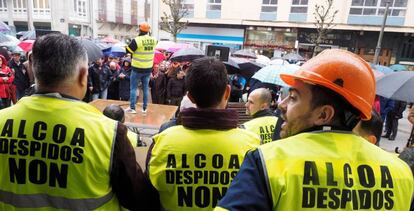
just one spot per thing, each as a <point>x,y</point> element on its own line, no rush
<point>127,11</point>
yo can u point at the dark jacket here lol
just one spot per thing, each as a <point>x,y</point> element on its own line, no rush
<point>113,88</point>
<point>100,77</point>
<point>124,83</point>
<point>21,76</point>
<point>158,88</point>
<point>386,106</point>
<point>399,108</point>
<point>175,88</point>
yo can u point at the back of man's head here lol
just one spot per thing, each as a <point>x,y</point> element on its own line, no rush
<point>56,58</point>
<point>371,129</point>
<point>206,82</point>
<point>114,112</point>
<point>265,96</point>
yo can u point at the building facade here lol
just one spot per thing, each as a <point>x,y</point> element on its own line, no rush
<point>273,26</point>
<point>87,18</point>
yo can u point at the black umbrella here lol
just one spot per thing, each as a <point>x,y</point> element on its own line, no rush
<point>93,51</point>
<point>187,55</point>
<point>245,53</point>
<point>232,66</point>
<point>293,57</point>
<point>247,68</point>
<point>397,86</point>
<point>103,46</point>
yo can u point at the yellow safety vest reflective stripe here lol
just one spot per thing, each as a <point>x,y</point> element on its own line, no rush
<point>262,126</point>
<point>56,153</point>
<point>330,171</point>
<point>192,169</point>
<point>143,56</point>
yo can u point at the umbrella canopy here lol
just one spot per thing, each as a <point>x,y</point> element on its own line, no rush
<point>398,67</point>
<point>115,51</point>
<point>26,45</point>
<point>381,68</point>
<point>277,61</point>
<point>178,46</point>
<point>8,38</point>
<point>232,66</point>
<point>28,35</point>
<point>264,60</point>
<point>245,53</point>
<point>247,68</point>
<point>4,27</point>
<point>93,51</point>
<point>187,54</point>
<point>271,74</point>
<point>293,57</point>
<point>103,46</point>
<point>109,39</point>
<point>397,86</point>
<point>164,45</point>
<point>158,57</point>
<point>378,74</point>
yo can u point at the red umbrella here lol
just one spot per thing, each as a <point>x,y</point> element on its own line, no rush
<point>26,45</point>
<point>158,57</point>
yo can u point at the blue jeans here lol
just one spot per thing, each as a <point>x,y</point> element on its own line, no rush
<point>100,95</point>
<point>144,76</point>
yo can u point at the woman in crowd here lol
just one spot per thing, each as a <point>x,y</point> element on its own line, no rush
<point>6,80</point>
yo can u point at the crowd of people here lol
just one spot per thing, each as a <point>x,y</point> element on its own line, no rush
<point>318,153</point>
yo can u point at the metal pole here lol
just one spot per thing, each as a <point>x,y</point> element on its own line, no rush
<point>30,15</point>
<point>378,48</point>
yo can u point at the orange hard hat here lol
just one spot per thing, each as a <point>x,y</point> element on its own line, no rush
<point>342,72</point>
<point>144,27</point>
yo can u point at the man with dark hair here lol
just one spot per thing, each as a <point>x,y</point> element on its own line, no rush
<point>370,129</point>
<point>320,163</point>
<point>142,49</point>
<point>114,112</point>
<point>66,154</point>
<point>264,122</point>
<point>206,149</point>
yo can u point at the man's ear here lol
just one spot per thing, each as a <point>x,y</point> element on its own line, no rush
<point>372,139</point>
<point>227,92</point>
<point>324,115</point>
<point>83,77</point>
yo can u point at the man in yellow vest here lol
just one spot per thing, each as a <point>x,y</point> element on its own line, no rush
<point>57,152</point>
<point>264,122</point>
<point>321,164</point>
<point>192,165</point>
<point>142,49</point>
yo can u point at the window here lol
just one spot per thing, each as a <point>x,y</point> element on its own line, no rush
<point>214,5</point>
<point>19,6</point>
<point>377,7</point>
<point>187,4</point>
<point>3,5</point>
<point>299,6</point>
<point>79,7</point>
<point>269,6</point>
<point>41,7</point>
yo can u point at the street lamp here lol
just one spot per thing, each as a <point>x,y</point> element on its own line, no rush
<point>384,20</point>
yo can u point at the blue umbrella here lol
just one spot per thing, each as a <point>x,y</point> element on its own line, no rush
<point>398,67</point>
<point>271,74</point>
<point>383,69</point>
<point>4,27</point>
<point>115,51</point>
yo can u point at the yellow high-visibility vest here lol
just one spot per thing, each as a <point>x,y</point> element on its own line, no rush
<point>262,126</point>
<point>335,171</point>
<point>56,153</point>
<point>192,169</point>
<point>143,56</point>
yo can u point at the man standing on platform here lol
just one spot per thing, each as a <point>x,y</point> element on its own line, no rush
<point>264,121</point>
<point>142,49</point>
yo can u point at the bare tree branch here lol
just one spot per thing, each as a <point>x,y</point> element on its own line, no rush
<point>172,23</point>
<point>324,22</point>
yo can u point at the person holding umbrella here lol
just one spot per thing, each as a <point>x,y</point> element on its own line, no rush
<point>321,164</point>
<point>142,49</point>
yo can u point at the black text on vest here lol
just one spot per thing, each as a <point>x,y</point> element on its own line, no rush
<point>201,180</point>
<point>42,156</point>
<point>336,186</point>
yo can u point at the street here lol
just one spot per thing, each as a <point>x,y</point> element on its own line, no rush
<point>404,130</point>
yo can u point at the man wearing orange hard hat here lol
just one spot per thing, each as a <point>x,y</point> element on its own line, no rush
<point>142,50</point>
<point>320,164</point>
